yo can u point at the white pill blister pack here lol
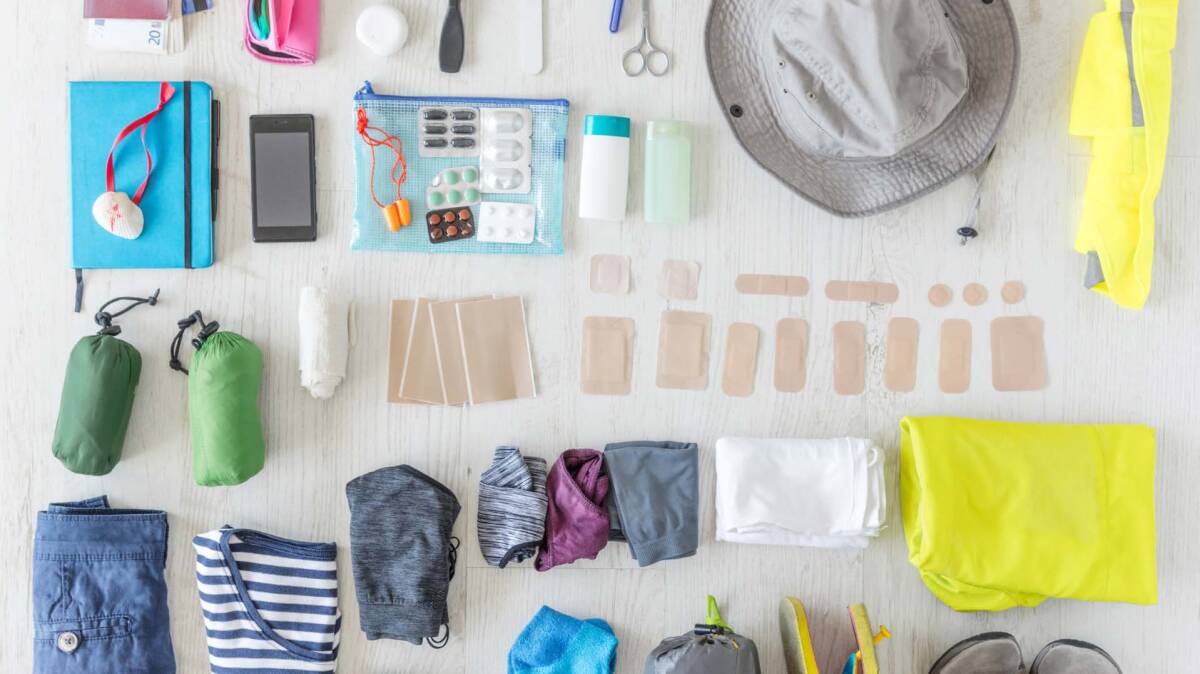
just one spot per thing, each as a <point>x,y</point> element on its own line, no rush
<point>505,158</point>
<point>454,187</point>
<point>448,132</point>
<point>502,222</point>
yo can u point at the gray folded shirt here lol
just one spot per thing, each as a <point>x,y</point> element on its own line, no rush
<point>402,553</point>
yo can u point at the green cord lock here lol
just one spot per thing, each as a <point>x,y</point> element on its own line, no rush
<point>713,617</point>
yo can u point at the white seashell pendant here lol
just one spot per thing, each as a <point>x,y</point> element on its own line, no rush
<point>116,214</point>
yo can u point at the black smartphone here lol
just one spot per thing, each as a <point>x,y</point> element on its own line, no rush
<point>283,177</point>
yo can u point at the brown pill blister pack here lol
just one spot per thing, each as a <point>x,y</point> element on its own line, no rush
<point>1018,354</point>
<point>606,367</point>
<point>954,356</point>
<point>741,360</point>
<point>683,347</point>
<point>791,354</point>
<point>450,224</point>
<point>849,358</point>
<point>771,284</point>
<point>862,291</point>
<point>900,371</point>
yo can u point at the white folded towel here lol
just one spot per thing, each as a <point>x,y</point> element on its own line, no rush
<point>816,493</point>
<point>324,340</point>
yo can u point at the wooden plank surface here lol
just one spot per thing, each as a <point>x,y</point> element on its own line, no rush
<point>1105,364</point>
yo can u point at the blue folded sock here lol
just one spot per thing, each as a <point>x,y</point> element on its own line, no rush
<point>554,643</point>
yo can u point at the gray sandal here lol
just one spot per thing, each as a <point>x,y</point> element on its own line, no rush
<point>987,653</point>
<point>1070,656</point>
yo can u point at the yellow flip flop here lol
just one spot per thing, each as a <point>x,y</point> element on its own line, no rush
<point>798,651</point>
<point>797,642</point>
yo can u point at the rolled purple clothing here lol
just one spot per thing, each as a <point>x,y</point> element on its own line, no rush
<point>576,517</point>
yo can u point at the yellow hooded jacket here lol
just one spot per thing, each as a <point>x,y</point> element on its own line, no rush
<point>1122,103</point>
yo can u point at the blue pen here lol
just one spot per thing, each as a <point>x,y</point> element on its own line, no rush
<point>614,22</point>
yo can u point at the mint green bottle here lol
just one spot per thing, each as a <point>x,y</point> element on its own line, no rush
<point>668,195</point>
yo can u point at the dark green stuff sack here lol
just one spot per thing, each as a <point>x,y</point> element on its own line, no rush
<point>97,398</point>
<point>228,447</point>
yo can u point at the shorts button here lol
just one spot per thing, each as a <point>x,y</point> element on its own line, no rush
<point>68,642</point>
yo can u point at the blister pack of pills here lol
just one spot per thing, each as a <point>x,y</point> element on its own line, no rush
<point>505,156</point>
<point>454,187</point>
<point>448,132</point>
<point>503,222</point>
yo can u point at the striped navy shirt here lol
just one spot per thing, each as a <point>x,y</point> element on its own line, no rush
<point>269,604</point>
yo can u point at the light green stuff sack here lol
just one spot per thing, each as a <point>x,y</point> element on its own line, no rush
<point>228,447</point>
<point>97,399</point>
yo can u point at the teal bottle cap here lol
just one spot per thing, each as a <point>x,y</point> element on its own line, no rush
<point>606,125</point>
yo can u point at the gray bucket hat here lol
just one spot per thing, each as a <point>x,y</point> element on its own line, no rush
<point>863,105</point>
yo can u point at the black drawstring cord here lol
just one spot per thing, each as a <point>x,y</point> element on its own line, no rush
<point>206,330</point>
<point>105,319</point>
<point>441,641</point>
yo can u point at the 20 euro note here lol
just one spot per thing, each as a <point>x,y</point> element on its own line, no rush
<point>148,36</point>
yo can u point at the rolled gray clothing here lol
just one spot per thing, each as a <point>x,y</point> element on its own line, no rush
<point>656,491</point>
<point>512,507</point>
<point>402,553</point>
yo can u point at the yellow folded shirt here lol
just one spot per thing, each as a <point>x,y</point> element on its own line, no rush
<point>999,514</point>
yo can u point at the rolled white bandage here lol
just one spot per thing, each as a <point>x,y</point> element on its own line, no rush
<point>324,340</point>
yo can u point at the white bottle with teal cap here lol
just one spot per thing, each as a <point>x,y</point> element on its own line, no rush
<point>668,172</point>
<point>604,175</point>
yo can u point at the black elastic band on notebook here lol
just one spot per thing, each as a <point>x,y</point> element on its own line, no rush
<point>206,330</point>
<point>187,174</point>
<point>78,289</point>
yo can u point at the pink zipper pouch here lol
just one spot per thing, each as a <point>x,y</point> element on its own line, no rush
<point>289,34</point>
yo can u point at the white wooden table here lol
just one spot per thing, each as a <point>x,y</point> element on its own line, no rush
<point>1105,364</point>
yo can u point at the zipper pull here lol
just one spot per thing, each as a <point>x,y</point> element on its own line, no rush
<point>367,88</point>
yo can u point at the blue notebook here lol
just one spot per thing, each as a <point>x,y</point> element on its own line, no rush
<point>180,202</point>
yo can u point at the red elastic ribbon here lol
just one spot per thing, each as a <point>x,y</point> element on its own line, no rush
<point>385,140</point>
<point>165,92</point>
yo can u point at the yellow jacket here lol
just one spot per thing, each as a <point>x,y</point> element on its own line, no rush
<point>1122,103</point>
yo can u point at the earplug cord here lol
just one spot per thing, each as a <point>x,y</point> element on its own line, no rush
<point>382,139</point>
<point>206,330</point>
<point>441,641</point>
<point>104,319</point>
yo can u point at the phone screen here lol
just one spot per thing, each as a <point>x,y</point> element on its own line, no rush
<point>283,179</point>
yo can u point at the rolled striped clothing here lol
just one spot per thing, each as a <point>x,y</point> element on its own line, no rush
<point>512,507</point>
<point>269,604</point>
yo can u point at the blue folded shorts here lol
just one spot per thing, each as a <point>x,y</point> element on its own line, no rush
<point>99,592</point>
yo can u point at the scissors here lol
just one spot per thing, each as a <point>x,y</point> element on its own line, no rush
<point>644,55</point>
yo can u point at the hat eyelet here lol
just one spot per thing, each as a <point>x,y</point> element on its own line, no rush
<point>736,110</point>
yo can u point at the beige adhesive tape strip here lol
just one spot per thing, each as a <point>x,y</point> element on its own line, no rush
<point>421,379</point>
<point>862,291</point>
<point>900,372</point>
<point>1018,354</point>
<point>606,367</point>
<point>849,357</point>
<point>683,346</point>
<point>495,344</point>
<point>771,284</point>
<point>954,357</point>
<point>609,274</point>
<point>791,354</point>
<point>446,341</point>
<point>679,280</point>
<point>741,360</point>
<point>401,328</point>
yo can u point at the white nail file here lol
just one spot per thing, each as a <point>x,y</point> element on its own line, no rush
<point>529,35</point>
<point>501,222</point>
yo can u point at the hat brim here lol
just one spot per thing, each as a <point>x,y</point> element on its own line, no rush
<point>856,187</point>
